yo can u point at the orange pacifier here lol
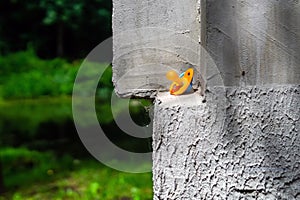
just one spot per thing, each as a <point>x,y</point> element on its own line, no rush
<point>181,84</point>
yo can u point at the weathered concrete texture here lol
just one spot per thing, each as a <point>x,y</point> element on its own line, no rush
<point>255,42</point>
<point>246,147</point>
<point>150,38</point>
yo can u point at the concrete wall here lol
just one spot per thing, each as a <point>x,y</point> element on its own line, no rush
<point>252,42</point>
<point>245,148</point>
<point>258,38</point>
<point>242,141</point>
<point>150,38</point>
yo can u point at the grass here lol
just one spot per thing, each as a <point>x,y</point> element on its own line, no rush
<point>67,178</point>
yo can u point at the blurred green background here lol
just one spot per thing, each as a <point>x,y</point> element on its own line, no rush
<point>42,44</point>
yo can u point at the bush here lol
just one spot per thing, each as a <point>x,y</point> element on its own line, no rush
<point>24,75</point>
<point>19,62</point>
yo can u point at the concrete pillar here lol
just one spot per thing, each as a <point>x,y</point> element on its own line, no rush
<point>150,38</point>
<point>255,42</point>
<point>241,140</point>
<point>246,147</point>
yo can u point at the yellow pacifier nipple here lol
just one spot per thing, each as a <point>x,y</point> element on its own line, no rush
<point>180,83</point>
<point>173,76</point>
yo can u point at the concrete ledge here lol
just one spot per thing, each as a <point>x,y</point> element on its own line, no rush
<point>150,38</point>
<point>253,153</point>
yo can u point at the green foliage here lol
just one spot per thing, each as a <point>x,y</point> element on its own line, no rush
<point>34,101</point>
<point>61,10</point>
<point>67,178</point>
<point>23,167</point>
<point>24,75</point>
<point>47,25</point>
<point>18,62</point>
<point>36,92</point>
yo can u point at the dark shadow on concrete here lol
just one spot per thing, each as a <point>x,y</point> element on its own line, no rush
<point>222,38</point>
<point>280,56</point>
<point>288,24</point>
<point>281,149</point>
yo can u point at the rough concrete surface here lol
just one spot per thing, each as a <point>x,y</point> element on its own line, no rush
<point>260,39</point>
<point>238,142</point>
<point>150,38</point>
<point>246,147</point>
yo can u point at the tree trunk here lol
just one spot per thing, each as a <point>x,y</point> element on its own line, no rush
<point>60,39</point>
<point>2,188</point>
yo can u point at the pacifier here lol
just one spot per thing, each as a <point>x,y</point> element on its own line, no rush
<point>182,84</point>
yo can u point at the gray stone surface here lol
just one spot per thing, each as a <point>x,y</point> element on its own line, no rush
<point>252,42</point>
<point>261,38</point>
<point>242,143</point>
<point>150,38</point>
